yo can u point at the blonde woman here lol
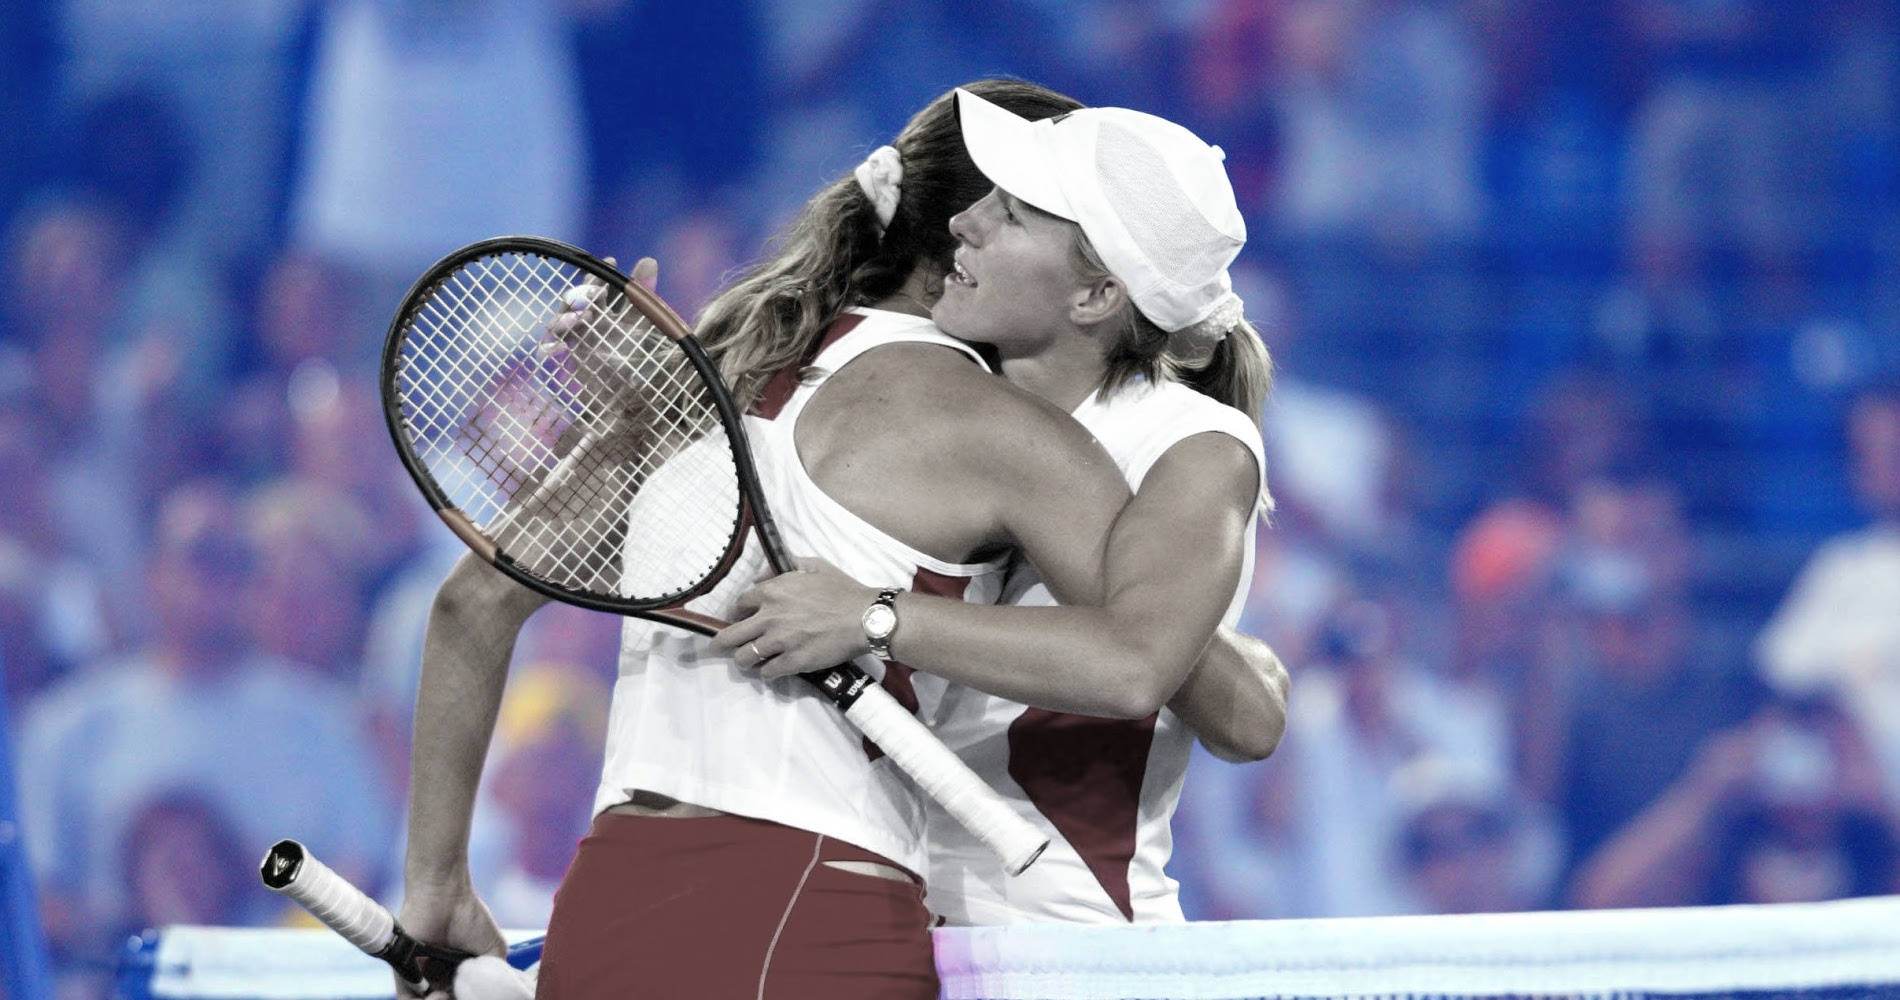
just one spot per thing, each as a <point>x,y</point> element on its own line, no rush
<point>1097,270</point>
<point>746,842</point>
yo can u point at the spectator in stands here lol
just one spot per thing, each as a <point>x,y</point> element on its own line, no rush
<point>311,332</point>
<point>1838,629</point>
<point>86,397</point>
<point>1331,450</point>
<point>174,717</point>
<point>1382,113</point>
<point>1364,710</point>
<point>184,864</point>
<point>330,420</point>
<point>1719,150</point>
<point>1505,651</point>
<point>226,68</point>
<point>1467,842</point>
<point>306,601</point>
<point>1785,807</point>
<point>52,611</point>
<point>136,158</point>
<point>1583,426</point>
<point>432,124</point>
<point>1642,698</point>
<point>1239,849</point>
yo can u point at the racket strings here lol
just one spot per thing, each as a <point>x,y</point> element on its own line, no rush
<point>574,433</point>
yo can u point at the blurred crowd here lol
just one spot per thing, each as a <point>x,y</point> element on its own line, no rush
<point>1586,431</point>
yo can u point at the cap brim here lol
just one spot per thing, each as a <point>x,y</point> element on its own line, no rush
<point>1012,153</point>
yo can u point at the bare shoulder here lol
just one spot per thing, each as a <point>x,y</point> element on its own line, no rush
<point>1212,465</point>
<point>925,392</point>
<point>926,445</point>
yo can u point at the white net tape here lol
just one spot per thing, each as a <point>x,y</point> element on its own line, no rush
<point>1822,950</point>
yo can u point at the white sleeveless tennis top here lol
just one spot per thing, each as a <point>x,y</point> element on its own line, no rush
<point>689,723</point>
<point>1105,789</point>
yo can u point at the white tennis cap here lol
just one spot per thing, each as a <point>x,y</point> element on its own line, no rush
<point>1150,195</point>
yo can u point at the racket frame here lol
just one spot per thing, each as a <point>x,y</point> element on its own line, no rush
<point>905,740</point>
<point>669,609</point>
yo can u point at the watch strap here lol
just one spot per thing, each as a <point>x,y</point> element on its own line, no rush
<point>880,642</point>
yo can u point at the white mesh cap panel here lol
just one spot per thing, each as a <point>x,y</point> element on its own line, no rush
<point>1167,227</point>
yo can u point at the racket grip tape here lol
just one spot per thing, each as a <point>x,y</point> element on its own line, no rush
<point>291,871</point>
<point>946,778</point>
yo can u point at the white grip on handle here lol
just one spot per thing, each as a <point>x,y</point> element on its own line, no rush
<point>943,776</point>
<point>329,897</point>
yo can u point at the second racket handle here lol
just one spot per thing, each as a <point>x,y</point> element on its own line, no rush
<point>945,777</point>
<point>290,870</point>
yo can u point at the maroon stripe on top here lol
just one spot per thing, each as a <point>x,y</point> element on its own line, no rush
<point>784,382</point>
<point>1085,775</point>
<point>897,675</point>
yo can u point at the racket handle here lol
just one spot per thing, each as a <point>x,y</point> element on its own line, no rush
<point>291,871</point>
<point>946,778</point>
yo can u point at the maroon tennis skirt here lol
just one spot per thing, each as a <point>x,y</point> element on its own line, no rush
<point>724,907</point>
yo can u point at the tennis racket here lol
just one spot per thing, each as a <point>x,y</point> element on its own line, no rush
<point>289,870</point>
<point>565,424</point>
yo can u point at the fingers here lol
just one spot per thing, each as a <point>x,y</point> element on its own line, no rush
<point>730,638</point>
<point>575,304</point>
<point>750,647</point>
<point>753,655</point>
<point>564,330</point>
<point>812,564</point>
<point>749,603</point>
<point>753,645</point>
<point>782,665</point>
<point>646,272</point>
<point>437,991</point>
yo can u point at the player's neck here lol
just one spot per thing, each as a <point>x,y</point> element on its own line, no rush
<point>913,298</point>
<point>1064,372</point>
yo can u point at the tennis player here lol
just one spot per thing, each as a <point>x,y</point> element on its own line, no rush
<point>746,841</point>
<point>1097,269</point>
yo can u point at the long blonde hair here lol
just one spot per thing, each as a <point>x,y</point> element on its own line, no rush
<point>833,256</point>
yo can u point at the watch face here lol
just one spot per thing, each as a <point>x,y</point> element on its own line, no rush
<point>879,621</point>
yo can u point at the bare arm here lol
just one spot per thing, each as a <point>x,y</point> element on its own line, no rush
<point>1174,559</point>
<point>471,635</point>
<point>1663,856</point>
<point>1235,700</point>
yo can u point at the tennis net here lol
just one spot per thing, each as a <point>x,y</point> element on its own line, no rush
<point>1821,951</point>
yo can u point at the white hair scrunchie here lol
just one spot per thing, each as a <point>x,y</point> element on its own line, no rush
<point>881,178</point>
<point>1227,313</point>
<point>1194,343</point>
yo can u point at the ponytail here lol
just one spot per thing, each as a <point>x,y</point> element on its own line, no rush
<point>1238,373</point>
<point>775,312</point>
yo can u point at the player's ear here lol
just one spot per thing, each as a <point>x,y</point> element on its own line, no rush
<point>1098,302</point>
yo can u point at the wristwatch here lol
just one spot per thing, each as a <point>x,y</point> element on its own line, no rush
<point>880,623</point>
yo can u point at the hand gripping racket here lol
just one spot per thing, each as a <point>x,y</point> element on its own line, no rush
<point>565,424</point>
<point>290,870</point>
